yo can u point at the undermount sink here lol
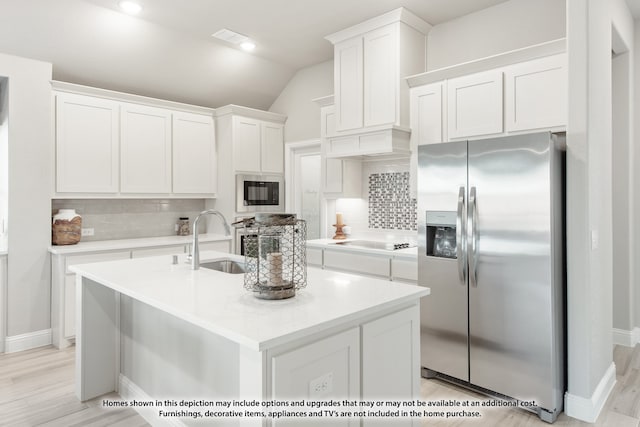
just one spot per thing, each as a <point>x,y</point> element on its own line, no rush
<point>225,265</point>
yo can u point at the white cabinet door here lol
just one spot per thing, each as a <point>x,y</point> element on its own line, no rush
<point>367,264</point>
<point>426,115</point>
<point>391,359</point>
<point>348,83</point>
<point>69,327</point>
<point>145,151</point>
<point>149,252</point>
<point>220,246</point>
<point>87,141</point>
<point>314,257</point>
<point>381,76</point>
<point>404,270</point>
<point>536,94</point>
<point>475,104</point>
<point>246,144</point>
<point>272,147</point>
<point>194,154</point>
<point>326,369</point>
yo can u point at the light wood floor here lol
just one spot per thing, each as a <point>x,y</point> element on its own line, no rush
<point>36,389</point>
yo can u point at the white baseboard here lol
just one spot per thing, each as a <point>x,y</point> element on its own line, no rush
<point>128,390</point>
<point>588,409</point>
<point>626,338</point>
<point>27,341</point>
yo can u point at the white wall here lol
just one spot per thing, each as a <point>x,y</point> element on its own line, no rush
<point>591,371</point>
<point>4,159</point>
<point>510,25</point>
<point>303,115</point>
<point>622,197</point>
<point>30,175</point>
<point>635,176</point>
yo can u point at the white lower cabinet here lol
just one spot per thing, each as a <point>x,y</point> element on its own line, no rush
<point>404,270</point>
<point>325,369</point>
<point>391,361</point>
<point>63,281</point>
<point>377,360</point>
<point>366,264</point>
<point>396,268</point>
<point>221,246</point>
<point>166,250</point>
<point>63,291</point>
<point>314,257</point>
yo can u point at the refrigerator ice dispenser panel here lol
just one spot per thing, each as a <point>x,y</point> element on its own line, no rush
<point>441,234</point>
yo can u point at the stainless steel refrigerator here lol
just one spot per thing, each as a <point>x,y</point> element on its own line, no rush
<point>491,248</point>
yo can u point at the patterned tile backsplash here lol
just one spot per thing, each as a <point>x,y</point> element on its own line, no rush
<point>130,218</point>
<point>390,204</point>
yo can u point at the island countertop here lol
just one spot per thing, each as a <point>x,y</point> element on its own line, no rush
<point>218,302</point>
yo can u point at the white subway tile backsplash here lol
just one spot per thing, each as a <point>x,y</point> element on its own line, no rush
<point>130,218</point>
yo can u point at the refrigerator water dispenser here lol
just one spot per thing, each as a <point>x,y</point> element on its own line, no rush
<point>441,234</point>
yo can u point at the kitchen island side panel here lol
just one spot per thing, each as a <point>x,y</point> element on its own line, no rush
<point>168,357</point>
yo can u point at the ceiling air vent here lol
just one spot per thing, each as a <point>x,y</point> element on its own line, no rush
<point>230,36</point>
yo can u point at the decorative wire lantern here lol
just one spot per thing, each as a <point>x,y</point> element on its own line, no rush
<point>275,255</point>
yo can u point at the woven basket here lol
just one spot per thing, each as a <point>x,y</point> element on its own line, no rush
<point>65,232</point>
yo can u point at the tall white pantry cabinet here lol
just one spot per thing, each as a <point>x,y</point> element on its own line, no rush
<point>110,144</point>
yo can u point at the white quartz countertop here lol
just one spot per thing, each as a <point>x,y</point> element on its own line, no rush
<point>219,303</point>
<point>411,253</point>
<point>108,245</point>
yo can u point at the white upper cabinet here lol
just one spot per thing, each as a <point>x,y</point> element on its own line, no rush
<point>381,81</point>
<point>272,147</point>
<point>87,141</point>
<point>145,149</point>
<point>536,94</point>
<point>371,61</point>
<point>246,144</point>
<point>112,144</point>
<point>475,105</point>
<point>348,80</point>
<point>426,114</point>
<point>498,95</point>
<point>339,178</point>
<point>258,145</point>
<point>194,154</point>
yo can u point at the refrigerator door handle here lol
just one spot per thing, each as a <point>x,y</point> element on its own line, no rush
<point>461,238</point>
<point>472,236</point>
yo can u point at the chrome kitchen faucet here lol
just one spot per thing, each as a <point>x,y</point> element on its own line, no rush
<point>195,257</point>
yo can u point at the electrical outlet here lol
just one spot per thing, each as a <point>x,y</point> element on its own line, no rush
<point>321,386</point>
<point>87,231</point>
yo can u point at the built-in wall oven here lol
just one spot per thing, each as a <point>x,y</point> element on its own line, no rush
<point>259,193</point>
<point>241,234</point>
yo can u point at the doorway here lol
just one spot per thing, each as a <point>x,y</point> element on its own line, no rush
<point>621,192</point>
<point>302,171</point>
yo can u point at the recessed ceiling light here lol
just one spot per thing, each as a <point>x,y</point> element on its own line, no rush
<point>130,7</point>
<point>248,46</point>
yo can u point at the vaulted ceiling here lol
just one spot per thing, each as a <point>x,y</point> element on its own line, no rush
<point>167,50</point>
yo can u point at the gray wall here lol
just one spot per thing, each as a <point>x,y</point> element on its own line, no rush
<point>510,25</point>
<point>30,185</point>
<point>303,115</point>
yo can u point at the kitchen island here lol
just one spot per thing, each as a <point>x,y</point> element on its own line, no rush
<point>153,330</point>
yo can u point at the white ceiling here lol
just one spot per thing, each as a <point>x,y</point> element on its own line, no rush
<point>167,51</point>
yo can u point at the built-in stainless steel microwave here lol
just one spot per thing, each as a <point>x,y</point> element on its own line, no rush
<point>259,193</point>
